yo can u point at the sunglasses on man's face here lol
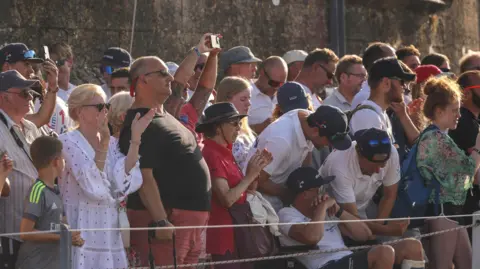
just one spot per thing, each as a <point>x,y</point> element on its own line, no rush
<point>330,75</point>
<point>273,83</point>
<point>100,107</point>
<point>25,93</point>
<point>375,142</point>
<point>162,73</point>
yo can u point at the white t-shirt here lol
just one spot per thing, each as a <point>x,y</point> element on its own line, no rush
<point>332,238</point>
<point>65,94</point>
<point>361,96</point>
<point>261,107</point>
<point>350,184</point>
<point>367,118</point>
<point>60,121</point>
<point>284,138</point>
<point>315,99</point>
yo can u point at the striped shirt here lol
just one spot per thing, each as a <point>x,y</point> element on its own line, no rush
<point>23,175</point>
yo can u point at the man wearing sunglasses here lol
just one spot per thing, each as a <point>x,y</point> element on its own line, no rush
<point>17,56</point>
<point>290,139</point>
<point>388,81</point>
<point>16,134</point>
<point>317,72</point>
<point>113,58</point>
<point>272,75</point>
<point>467,130</point>
<point>359,171</point>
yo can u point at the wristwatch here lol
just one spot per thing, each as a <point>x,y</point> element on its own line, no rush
<point>339,213</point>
<point>160,223</point>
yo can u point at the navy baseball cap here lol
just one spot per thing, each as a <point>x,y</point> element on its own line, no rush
<point>306,178</point>
<point>389,67</point>
<point>116,57</point>
<point>292,96</point>
<point>333,124</point>
<point>15,52</point>
<point>13,79</point>
<point>374,144</point>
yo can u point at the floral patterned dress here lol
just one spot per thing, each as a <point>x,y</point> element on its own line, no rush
<point>439,156</point>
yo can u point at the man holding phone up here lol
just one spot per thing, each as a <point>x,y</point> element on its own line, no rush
<point>17,56</point>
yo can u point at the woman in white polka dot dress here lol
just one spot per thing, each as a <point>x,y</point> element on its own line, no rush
<point>92,185</point>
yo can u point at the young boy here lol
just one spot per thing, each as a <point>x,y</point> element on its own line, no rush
<point>44,209</point>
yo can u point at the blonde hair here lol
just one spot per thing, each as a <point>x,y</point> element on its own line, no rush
<point>120,103</point>
<point>80,97</point>
<point>229,87</point>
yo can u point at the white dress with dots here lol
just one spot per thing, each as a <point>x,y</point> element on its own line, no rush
<point>91,201</point>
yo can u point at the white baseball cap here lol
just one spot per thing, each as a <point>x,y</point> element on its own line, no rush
<point>295,56</point>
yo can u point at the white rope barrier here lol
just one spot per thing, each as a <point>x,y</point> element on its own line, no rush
<point>313,252</point>
<point>247,225</point>
<point>133,25</point>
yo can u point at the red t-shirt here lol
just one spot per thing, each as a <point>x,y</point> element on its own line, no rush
<point>221,164</point>
<point>189,118</point>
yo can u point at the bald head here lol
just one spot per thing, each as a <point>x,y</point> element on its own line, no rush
<point>142,64</point>
<point>274,62</point>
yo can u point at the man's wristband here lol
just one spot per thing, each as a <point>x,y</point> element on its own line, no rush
<point>197,51</point>
<point>339,213</point>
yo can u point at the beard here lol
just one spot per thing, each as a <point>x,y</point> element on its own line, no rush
<point>393,96</point>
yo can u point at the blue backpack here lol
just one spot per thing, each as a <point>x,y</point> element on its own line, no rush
<point>413,193</point>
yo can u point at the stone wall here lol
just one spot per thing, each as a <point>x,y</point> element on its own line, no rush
<point>168,28</point>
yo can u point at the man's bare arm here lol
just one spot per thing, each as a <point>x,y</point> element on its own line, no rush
<point>206,83</point>
<point>150,196</point>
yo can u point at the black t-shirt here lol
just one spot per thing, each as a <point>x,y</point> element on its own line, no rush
<point>171,150</point>
<point>465,135</point>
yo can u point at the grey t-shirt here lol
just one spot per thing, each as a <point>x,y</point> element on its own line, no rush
<point>44,206</point>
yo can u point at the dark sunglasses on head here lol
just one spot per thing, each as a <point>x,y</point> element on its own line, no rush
<point>100,107</point>
<point>375,142</point>
<point>272,83</point>
<point>330,75</point>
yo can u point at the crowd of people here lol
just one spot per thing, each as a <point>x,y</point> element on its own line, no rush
<point>303,137</point>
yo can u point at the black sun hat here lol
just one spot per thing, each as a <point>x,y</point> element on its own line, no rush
<point>218,113</point>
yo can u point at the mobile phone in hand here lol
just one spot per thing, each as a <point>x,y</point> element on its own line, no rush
<point>215,41</point>
<point>46,52</point>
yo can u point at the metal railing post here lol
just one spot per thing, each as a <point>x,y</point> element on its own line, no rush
<point>65,247</point>
<point>476,242</point>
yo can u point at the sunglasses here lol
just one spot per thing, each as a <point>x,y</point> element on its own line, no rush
<point>330,75</point>
<point>163,73</point>
<point>272,83</point>
<point>375,143</point>
<point>108,69</point>
<point>234,123</point>
<point>99,107</point>
<point>360,76</point>
<point>25,94</point>
<point>27,55</point>
<point>445,70</point>
<point>199,66</point>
